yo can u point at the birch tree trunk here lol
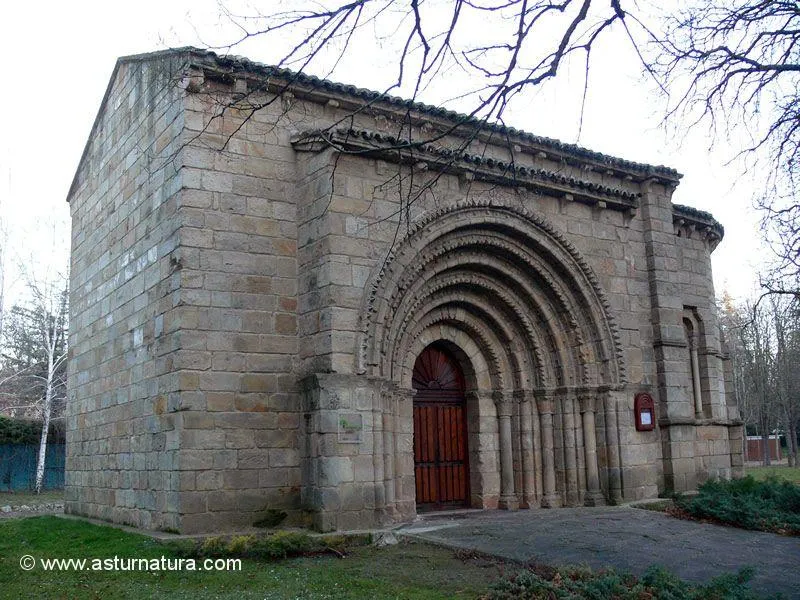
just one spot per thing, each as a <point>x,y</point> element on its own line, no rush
<point>51,340</point>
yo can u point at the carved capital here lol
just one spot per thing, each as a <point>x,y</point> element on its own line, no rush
<point>588,402</point>
<point>545,401</point>
<point>504,401</point>
<point>523,395</point>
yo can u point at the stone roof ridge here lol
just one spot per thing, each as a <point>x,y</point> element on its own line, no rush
<point>240,63</point>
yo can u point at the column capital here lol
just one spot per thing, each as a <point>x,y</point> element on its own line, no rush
<point>523,395</point>
<point>545,401</point>
<point>546,406</point>
<point>405,393</point>
<point>588,402</point>
<point>565,392</point>
<point>475,394</point>
<point>504,401</point>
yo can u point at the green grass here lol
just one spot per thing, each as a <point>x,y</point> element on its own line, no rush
<point>17,498</point>
<point>784,473</point>
<point>768,505</point>
<point>403,571</point>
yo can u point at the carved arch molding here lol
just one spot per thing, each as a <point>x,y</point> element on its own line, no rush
<point>534,327</point>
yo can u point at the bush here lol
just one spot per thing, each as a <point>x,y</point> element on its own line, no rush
<point>769,505</point>
<point>23,431</point>
<point>17,431</point>
<point>656,584</point>
<point>279,545</point>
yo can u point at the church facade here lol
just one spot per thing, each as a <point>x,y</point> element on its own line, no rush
<point>297,296</point>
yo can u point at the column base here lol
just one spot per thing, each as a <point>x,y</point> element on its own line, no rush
<point>552,501</point>
<point>508,503</point>
<point>594,499</point>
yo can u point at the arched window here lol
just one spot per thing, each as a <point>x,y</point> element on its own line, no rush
<point>692,332</point>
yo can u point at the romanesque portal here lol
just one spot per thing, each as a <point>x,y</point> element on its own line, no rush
<point>297,296</point>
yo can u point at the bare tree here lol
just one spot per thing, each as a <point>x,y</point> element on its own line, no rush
<point>34,354</point>
<point>764,346</point>
<point>786,318</point>
<point>498,46</point>
<point>736,66</point>
<point>733,65</point>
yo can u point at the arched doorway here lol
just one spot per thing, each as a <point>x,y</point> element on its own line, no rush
<point>441,467</point>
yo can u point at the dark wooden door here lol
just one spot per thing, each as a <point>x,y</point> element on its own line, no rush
<point>440,431</point>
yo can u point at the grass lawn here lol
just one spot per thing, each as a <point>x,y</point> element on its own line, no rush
<point>17,498</point>
<point>403,571</point>
<point>782,472</point>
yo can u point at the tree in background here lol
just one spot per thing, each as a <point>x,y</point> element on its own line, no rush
<point>34,353</point>
<point>786,315</point>
<point>764,347</point>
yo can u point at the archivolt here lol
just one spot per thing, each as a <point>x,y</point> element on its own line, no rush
<point>507,269</point>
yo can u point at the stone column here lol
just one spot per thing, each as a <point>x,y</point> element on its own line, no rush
<point>380,401</point>
<point>612,449</point>
<point>580,451</point>
<point>545,405</point>
<point>570,459</point>
<point>529,496</point>
<point>505,406</point>
<point>537,451</point>
<point>594,496</point>
<point>388,453</point>
<point>399,444</point>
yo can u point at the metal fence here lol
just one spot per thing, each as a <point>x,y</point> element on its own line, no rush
<point>18,467</point>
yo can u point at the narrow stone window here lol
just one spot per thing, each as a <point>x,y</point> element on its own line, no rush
<point>692,339</point>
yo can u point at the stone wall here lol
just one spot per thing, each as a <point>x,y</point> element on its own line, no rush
<point>123,436</point>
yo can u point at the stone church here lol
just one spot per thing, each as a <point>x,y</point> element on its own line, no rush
<point>294,295</point>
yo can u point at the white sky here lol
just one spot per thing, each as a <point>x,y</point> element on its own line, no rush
<point>58,57</point>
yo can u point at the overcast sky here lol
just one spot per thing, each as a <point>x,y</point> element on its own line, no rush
<point>58,58</point>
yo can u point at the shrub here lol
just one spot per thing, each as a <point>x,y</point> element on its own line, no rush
<point>23,431</point>
<point>769,505</point>
<point>279,545</point>
<point>575,584</point>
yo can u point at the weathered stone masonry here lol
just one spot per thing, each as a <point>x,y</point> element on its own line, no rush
<point>251,290</point>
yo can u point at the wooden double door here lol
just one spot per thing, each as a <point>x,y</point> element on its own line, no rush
<point>441,466</point>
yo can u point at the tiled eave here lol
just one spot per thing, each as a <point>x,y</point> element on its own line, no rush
<point>438,159</point>
<point>690,222</point>
<point>229,69</point>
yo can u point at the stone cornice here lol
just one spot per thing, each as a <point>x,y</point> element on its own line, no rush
<point>669,343</point>
<point>228,69</point>
<point>430,156</point>
<point>690,222</point>
<point>244,76</point>
<point>683,421</point>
